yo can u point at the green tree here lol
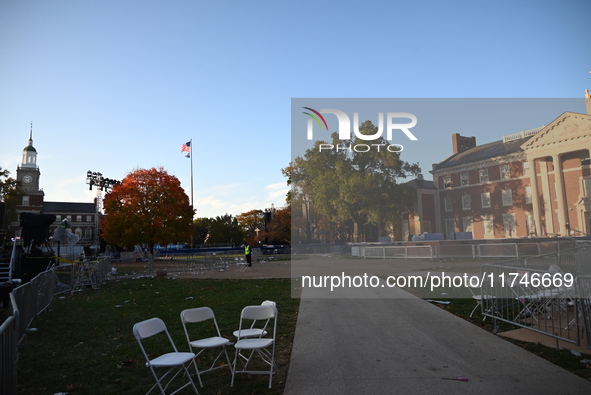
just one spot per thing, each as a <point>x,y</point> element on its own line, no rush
<point>362,187</point>
<point>250,222</point>
<point>149,206</point>
<point>201,228</point>
<point>279,230</point>
<point>225,229</point>
<point>9,190</point>
<point>8,184</point>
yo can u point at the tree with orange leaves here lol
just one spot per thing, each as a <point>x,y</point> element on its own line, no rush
<point>148,207</point>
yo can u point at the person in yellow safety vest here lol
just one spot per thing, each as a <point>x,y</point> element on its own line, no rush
<point>248,253</point>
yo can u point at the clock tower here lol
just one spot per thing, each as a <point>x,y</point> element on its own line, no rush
<point>31,198</point>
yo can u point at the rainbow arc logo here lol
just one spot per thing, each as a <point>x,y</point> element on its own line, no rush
<point>314,117</point>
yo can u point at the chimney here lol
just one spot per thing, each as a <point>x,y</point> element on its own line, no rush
<point>588,101</point>
<point>461,143</point>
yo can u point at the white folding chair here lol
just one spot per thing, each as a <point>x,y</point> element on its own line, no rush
<point>171,361</point>
<point>254,331</point>
<point>198,315</point>
<point>478,298</point>
<point>262,346</point>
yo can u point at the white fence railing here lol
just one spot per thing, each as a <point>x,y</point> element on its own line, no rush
<point>499,250</point>
<point>549,294</point>
<point>457,250</point>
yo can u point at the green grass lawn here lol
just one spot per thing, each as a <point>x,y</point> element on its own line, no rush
<point>83,343</point>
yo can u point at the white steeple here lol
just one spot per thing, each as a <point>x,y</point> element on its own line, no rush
<point>30,153</point>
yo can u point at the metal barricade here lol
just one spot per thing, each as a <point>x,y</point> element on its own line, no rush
<point>498,250</point>
<point>406,252</point>
<point>194,264</point>
<point>457,251</point>
<point>386,252</point>
<point>530,298</point>
<point>584,302</point>
<point>9,340</point>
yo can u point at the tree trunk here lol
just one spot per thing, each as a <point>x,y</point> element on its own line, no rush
<point>355,231</point>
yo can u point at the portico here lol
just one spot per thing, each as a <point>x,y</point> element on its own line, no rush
<point>560,175</point>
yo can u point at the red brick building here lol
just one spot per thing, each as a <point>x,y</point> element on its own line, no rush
<point>532,183</point>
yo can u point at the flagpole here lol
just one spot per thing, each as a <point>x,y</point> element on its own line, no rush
<point>191,154</point>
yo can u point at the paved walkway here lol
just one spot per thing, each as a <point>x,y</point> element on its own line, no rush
<point>388,341</point>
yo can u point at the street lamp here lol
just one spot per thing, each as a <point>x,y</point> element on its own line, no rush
<point>269,212</point>
<point>306,208</point>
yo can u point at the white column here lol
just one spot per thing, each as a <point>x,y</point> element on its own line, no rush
<point>549,218</point>
<point>535,199</point>
<point>559,179</point>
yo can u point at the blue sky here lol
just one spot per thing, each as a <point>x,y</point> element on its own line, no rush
<point>112,86</point>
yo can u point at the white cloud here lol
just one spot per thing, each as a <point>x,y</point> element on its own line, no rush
<point>214,205</point>
<point>276,193</point>
<point>68,190</point>
<point>10,162</point>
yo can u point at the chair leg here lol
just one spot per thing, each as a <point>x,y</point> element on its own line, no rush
<point>271,368</point>
<point>213,365</point>
<point>159,380</point>
<point>191,380</point>
<point>228,359</point>
<point>233,368</point>
<point>265,355</point>
<point>197,371</point>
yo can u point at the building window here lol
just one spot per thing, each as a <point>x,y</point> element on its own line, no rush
<point>26,200</point>
<point>467,222</point>
<point>489,226</point>
<point>483,175</point>
<point>509,225</point>
<point>89,218</point>
<point>88,234</point>
<point>78,218</point>
<point>448,204</point>
<point>587,187</point>
<point>466,202</point>
<point>447,181</point>
<point>526,168</point>
<point>507,197</point>
<point>505,172</point>
<point>449,227</point>
<point>485,198</point>
<point>465,179</point>
<point>528,198</point>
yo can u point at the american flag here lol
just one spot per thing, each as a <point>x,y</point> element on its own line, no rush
<point>186,147</point>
